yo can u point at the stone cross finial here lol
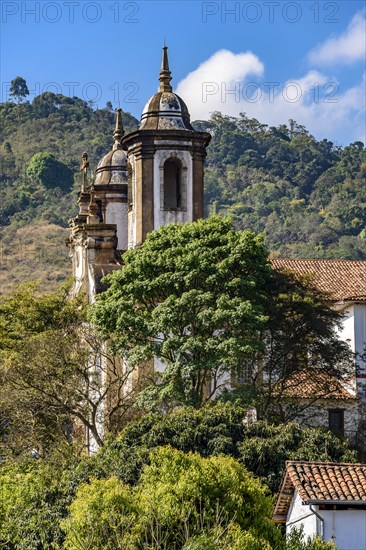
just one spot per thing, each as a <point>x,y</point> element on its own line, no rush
<point>84,169</point>
<point>118,131</point>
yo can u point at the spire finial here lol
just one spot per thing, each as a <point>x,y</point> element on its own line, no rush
<point>118,131</point>
<point>84,169</point>
<point>165,74</point>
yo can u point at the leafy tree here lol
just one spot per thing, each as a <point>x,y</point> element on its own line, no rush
<point>110,513</point>
<point>214,429</point>
<point>102,517</point>
<point>230,537</point>
<point>19,88</point>
<point>46,169</point>
<point>54,372</point>
<point>191,296</point>
<point>203,299</point>
<point>32,505</point>
<point>178,497</point>
<point>301,335</point>
<point>263,448</point>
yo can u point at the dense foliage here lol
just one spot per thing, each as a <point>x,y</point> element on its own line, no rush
<point>222,429</point>
<point>203,299</point>
<point>307,196</point>
<point>18,88</point>
<point>178,496</point>
<point>175,478</point>
<point>51,371</point>
<point>46,170</point>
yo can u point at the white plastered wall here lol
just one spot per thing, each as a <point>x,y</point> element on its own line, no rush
<point>117,213</point>
<point>347,331</point>
<point>301,515</point>
<point>347,528</point>
<point>132,213</point>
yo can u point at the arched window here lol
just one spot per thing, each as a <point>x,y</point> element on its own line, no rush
<point>172,184</point>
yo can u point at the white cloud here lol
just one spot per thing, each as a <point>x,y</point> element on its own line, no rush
<point>234,83</point>
<point>223,70</point>
<point>348,47</point>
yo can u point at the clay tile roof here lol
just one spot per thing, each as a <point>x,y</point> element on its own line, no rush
<point>343,279</point>
<point>326,482</point>
<point>311,384</point>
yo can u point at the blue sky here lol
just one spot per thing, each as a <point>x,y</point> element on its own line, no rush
<point>273,59</point>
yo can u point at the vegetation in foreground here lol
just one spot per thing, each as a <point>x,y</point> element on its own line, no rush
<point>139,492</point>
<point>203,299</point>
<point>175,469</point>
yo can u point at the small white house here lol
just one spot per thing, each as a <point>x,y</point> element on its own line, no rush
<point>326,499</point>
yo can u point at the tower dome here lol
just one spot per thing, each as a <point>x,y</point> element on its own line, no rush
<point>112,168</point>
<point>165,110</point>
<point>110,186</point>
<point>165,164</point>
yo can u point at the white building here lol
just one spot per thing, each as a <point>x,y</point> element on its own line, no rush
<point>325,499</point>
<point>342,410</point>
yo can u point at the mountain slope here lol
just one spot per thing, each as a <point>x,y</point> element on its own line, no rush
<point>307,196</point>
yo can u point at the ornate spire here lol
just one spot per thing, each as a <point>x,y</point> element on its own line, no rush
<point>165,74</point>
<point>84,169</point>
<point>118,131</point>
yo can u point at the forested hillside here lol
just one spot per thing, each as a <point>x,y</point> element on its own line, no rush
<point>307,196</point>
<point>40,154</point>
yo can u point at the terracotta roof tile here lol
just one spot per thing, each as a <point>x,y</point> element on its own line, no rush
<point>342,279</point>
<point>311,384</point>
<point>326,482</point>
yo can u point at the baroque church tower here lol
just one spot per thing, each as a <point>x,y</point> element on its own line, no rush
<point>165,164</point>
<point>151,177</point>
<point>99,231</point>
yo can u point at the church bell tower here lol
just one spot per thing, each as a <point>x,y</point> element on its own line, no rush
<point>99,232</point>
<point>165,159</point>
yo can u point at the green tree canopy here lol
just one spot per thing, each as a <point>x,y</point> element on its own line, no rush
<point>222,428</point>
<point>178,497</point>
<point>199,504</point>
<point>50,172</point>
<point>203,299</point>
<point>53,372</point>
<point>192,296</point>
<point>19,88</point>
